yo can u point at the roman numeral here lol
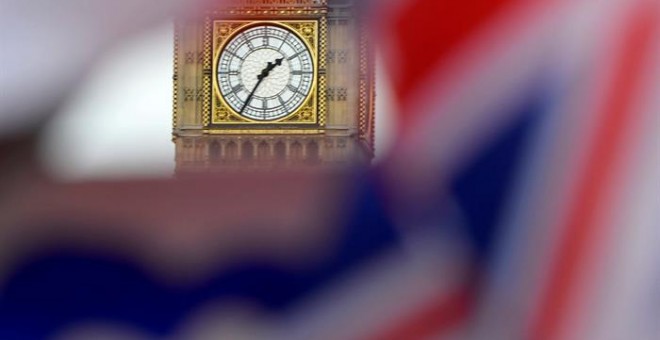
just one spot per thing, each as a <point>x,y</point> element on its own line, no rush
<point>234,55</point>
<point>281,101</point>
<point>266,39</point>
<point>294,56</point>
<point>284,41</point>
<point>300,72</point>
<point>247,41</point>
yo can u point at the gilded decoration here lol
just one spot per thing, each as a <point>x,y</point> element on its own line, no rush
<point>273,8</point>
<point>313,110</point>
<point>175,87</point>
<point>274,132</point>
<point>206,77</point>
<point>322,77</point>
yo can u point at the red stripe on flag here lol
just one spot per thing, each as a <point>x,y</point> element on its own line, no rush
<point>598,174</point>
<point>446,313</point>
<point>427,31</point>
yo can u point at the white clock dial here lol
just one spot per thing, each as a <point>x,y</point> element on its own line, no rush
<point>265,72</point>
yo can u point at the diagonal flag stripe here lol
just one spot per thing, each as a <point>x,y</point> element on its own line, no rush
<point>581,226</point>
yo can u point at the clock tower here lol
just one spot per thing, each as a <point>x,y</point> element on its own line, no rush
<point>273,83</point>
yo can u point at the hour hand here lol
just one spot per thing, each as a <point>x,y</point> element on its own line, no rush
<point>266,71</point>
<point>270,67</point>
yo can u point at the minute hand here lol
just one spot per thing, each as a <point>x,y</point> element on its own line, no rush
<point>249,98</point>
<point>260,78</point>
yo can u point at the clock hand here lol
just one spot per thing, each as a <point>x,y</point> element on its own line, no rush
<point>264,73</point>
<point>269,68</point>
<point>249,98</point>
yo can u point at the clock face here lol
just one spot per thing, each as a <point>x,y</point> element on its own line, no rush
<point>265,72</point>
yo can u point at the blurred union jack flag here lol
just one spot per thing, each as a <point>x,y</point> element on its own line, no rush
<point>540,120</point>
<point>520,201</point>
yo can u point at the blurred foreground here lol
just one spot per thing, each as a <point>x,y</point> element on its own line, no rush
<point>520,200</point>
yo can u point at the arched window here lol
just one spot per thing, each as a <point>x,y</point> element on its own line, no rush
<point>248,151</point>
<point>296,152</point>
<point>280,151</point>
<point>231,151</point>
<point>215,151</point>
<point>312,153</point>
<point>263,151</point>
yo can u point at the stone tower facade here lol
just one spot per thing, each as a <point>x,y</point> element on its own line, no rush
<point>334,126</point>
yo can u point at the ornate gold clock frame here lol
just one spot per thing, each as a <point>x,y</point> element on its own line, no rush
<point>335,125</point>
<point>313,111</point>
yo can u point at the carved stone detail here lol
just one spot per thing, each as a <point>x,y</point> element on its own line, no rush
<point>342,94</point>
<point>331,94</point>
<point>342,57</point>
<point>188,94</point>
